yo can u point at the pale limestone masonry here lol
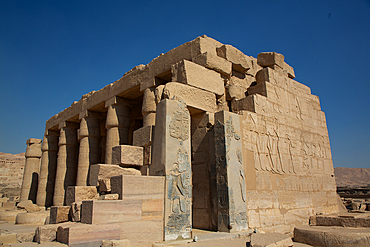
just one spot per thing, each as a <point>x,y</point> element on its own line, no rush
<point>235,142</point>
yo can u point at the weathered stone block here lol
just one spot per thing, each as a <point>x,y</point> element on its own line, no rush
<point>10,216</point>
<point>87,235</point>
<point>10,205</point>
<point>33,218</point>
<point>59,214</point>
<point>235,92</point>
<point>267,59</point>
<point>48,233</point>
<point>197,76</point>
<point>104,171</point>
<point>214,62</point>
<point>240,61</point>
<point>126,155</point>
<point>80,193</point>
<point>102,211</point>
<point>143,137</point>
<point>270,240</point>
<point>138,187</point>
<point>193,97</point>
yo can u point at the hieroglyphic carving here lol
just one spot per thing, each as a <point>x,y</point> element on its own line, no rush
<point>179,125</point>
<point>231,190</point>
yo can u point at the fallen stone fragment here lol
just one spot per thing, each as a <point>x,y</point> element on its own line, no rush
<point>270,240</point>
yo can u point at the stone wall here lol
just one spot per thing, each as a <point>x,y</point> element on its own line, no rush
<point>289,169</point>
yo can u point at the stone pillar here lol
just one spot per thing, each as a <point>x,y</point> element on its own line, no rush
<point>231,190</point>
<point>48,168</point>
<point>149,107</point>
<point>89,137</point>
<point>31,170</point>
<point>67,161</point>
<point>172,158</point>
<point>117,124</point>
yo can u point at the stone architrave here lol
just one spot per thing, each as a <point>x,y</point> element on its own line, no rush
<point>31,170</point>
<point>67,161</point>
<point>48,167</point>
<point>172,158</point>
<point>88,135</point>
<point>117,124</point>
<point>231,189</point>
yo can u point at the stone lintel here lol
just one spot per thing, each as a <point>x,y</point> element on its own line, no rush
<point>115,100</point>
<point>214,62</point>
<point>89,114</point>
<point>194,97</point>
<point>67,124</point>
<point>198,76</point>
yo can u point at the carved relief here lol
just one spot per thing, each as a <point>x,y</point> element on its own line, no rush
<point>179,125</point>
<point>229,165</point>
<point>179,194</point>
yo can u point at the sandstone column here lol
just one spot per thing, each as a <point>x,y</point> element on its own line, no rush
<point>88,135</point>
<point>31,170</point>
<point>149,107</point>
<point>67,161</point>
<point>48,168</point>
<point>117,124</point>
<point>172,158</point>
<point>231,190</point>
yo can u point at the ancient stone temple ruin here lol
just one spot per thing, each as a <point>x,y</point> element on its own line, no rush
<point>203,137</point>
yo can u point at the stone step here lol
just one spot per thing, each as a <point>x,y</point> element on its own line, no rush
<point>343,219</point>
<point>332,236</point>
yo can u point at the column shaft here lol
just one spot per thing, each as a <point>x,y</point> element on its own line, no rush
<point>31,170</point>
<point>48,168</point>
<point>117,124</point>
<point>66,162</point>
<point>89,154</point>
<point>149,107</point>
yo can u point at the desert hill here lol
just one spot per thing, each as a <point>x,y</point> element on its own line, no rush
<point>352,177</point>
<point>11,173</point>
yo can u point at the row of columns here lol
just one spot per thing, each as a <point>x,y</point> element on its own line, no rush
<point>63,158</point>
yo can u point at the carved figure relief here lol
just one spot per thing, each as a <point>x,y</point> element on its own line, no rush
<point>179,190</point>
<point>179,194</point>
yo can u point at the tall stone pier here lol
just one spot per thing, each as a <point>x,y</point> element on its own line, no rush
<point>31,170</point>
<point>231,190</point>
<point>172,158</point>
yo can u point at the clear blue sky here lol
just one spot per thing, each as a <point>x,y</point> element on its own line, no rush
<point>53,52</point>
